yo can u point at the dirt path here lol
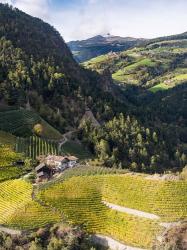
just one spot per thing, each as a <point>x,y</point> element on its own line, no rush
<point>65,139</point>
<point>111,243</point>
<point>132,211</point>
<point>61,143</point>
<point>9,231</point>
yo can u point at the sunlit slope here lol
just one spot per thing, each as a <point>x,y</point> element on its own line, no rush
<point>81,200</point>
<point>18,210</point>
<point>156,66</point>
<point>21,123</point>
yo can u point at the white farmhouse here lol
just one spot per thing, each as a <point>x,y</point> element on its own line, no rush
<point>61,162</point>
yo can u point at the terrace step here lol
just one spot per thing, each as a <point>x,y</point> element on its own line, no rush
<point>131,211</point>
<point>111,243</point>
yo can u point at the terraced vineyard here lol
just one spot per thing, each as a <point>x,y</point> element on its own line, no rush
<point>18,210</point>
<point>21,123</point>
<point>7,157</point>
<point>83,205</point>
<point>7,138</point>
<point>167,199</point>
<point>11,172</point>
<point>80,199</point>
<point>35,146</point>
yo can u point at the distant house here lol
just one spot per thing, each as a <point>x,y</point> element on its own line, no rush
<point>53,164</point>
<point>72,161</point>
<point>43,172</point>
<point>61,162</point>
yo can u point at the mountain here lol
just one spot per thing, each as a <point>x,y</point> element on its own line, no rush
<point>100,45</point>
<point>153,78</point>
<point>38,73</point>
<point>157,64</point>
<point>37,68</point>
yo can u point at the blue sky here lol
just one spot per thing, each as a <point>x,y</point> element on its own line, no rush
<point>80,19</point>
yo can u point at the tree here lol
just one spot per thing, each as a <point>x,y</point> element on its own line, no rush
<point>134,166</point>
<point>103,149</point>
<point>155,138</point>
<point>38,129</point>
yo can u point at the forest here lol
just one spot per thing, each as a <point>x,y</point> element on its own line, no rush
<point>48,79</point>
<point>124,143</point>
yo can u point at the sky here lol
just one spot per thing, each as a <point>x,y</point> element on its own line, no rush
<point>81,19</point>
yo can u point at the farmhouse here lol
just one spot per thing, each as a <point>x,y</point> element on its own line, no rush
<point>43,172</point>
<point>61,162</point>
<point>53,164</point>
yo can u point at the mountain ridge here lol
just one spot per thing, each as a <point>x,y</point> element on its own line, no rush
<point>99,45</point>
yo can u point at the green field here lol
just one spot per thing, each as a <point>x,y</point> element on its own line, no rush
<point>148,66</point>
<point>21,123</point>
<point>181,77</point>
<point>141,63</point>
<point>159,87</point>
<point>96,60</point>
<point>11,172</point>
<point>174,79</point>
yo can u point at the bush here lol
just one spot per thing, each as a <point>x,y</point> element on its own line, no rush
<point>38,129</point>
<point>174,238</point>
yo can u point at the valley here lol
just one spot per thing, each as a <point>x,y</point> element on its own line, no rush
<point>154,66</point>
<point>100,45</point>
<point>93,141</point>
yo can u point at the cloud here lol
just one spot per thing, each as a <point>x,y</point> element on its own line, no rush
<point>6,1</point>
<point>80,19</point>
<point>137,18</point>
<point>37,8</point>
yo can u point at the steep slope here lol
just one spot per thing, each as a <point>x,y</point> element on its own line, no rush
<point>100,45</point>
<point>158,65</point>
<point>38,69</point>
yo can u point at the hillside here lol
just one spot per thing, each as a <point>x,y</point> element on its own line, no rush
<point>26,123</point>
<point>109,113</point>
<point>100,45</point>
<point>38,69</point>
<point>166,200</point>
<point>46,93</point>
<point>149,204</point>
<point>159,65</point>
